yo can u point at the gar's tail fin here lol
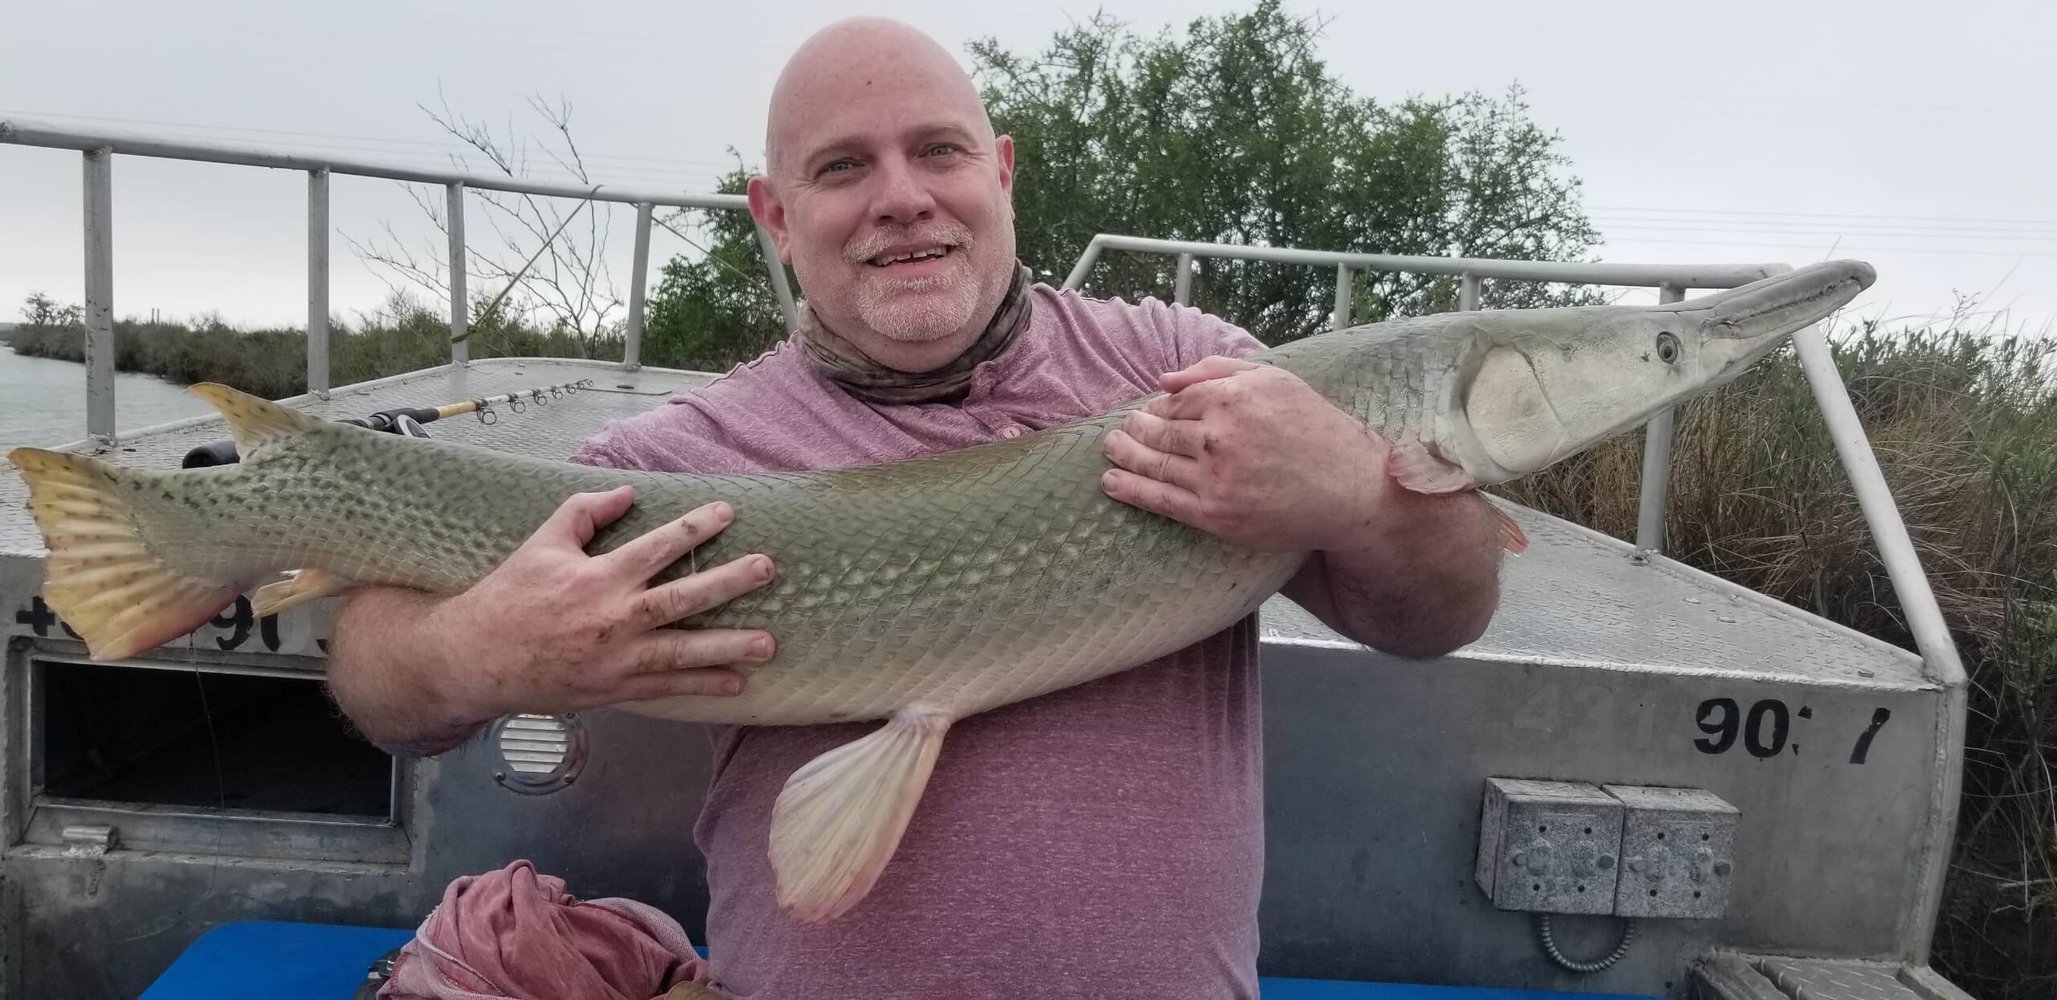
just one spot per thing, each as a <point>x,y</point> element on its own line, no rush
<point>100,576</point>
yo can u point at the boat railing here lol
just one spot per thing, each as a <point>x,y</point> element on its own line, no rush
<point>100,146</point>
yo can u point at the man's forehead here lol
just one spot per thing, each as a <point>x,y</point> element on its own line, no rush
<point>866,78</point>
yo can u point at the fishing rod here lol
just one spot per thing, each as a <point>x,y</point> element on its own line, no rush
<point>407,421</point>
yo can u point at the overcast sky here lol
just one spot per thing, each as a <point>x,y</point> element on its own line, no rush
<point>1919,136</point>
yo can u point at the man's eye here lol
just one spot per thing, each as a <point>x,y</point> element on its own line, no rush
<point>943,147</point>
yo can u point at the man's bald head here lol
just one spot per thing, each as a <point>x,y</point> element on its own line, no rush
<point>887,190</point>
<point>850,56</point>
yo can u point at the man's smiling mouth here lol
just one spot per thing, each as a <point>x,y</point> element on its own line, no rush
<point>926,253</point>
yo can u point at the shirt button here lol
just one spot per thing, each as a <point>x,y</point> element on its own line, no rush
<point>1010,432</point>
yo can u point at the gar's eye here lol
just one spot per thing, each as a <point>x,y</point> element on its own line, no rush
<point>1667,348</point>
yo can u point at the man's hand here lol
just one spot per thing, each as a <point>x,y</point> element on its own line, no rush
<point>1251,454</point>
<point>551,629</point>
<point>1254,455</point>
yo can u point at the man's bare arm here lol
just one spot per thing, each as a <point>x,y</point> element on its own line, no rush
<point>1425,579</point>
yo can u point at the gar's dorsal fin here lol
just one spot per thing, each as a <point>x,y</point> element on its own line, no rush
<point>253,420</point>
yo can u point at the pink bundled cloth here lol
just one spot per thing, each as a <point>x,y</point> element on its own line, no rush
<point>514,933</point>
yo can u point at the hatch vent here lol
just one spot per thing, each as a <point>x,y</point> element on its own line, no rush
<point>538,753</point>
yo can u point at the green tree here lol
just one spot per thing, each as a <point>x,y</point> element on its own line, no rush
<point>1231,131</point>
<point>1235,132</point>
<point>711,311</point>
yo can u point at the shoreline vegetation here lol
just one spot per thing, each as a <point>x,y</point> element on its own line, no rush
<point>1963,417</point>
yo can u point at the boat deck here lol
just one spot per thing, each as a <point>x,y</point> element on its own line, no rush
<point>1575,597</point>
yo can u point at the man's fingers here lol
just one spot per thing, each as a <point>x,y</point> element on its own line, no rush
<point>1175,502</point>
<point>582,515</point>
<point>662,651</point>
<point>716,681</point>
<point>1143,460</point>
<point>691,594</point>
<point>1212,366</point>
<point>1189,403</point>
<point>665,544</point>
<point>1180,437</point>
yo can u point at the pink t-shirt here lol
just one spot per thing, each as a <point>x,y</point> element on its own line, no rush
<point>1102,841</point>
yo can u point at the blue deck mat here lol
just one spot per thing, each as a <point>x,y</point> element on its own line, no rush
<point>272,960</point>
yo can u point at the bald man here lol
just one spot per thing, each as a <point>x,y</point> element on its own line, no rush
<point>1102,841</point>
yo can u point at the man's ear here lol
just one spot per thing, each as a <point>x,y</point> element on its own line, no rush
<point>770,213</point>
<point>1003,147</point>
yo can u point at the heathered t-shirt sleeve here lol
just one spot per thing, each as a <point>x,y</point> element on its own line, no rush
<point>1196,334</point>
<point>1182,334</point>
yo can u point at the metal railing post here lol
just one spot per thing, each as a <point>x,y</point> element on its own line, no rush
<point>460,345</point>
<point>99,318</point>
<point>1656,463</point>
<point>1182,285</point>
<point>1467,292</point>
<point>1077,277</point>
<point>632,350</point>
<point>318,281</point>
<point>1342,314</point>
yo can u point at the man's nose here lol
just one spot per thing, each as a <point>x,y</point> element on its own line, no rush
<point>901,197</point>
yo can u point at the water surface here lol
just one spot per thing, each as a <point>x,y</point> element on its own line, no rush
<point>43,400</point>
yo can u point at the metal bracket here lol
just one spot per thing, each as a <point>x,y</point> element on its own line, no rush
<point>90,839</point>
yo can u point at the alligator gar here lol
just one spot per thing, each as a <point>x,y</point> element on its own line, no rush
<point>919,592</point>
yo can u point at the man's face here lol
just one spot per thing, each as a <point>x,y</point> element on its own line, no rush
<point>891,199</point>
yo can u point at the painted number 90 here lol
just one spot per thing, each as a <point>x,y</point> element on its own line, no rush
<point>1766,729</point>
<point>1764,733</point>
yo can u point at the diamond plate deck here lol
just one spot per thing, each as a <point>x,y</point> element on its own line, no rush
<point>1730,976</point>
<point>1817,979</point>
<point>1576,596</point>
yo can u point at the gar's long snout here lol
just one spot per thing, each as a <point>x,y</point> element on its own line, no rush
<point>1783,303</point>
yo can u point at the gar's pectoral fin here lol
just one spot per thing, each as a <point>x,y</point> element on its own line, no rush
<point>1414,467</point>
<point>303,586</point>
<point>841,816</point>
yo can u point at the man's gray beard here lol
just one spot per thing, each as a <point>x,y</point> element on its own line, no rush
<point>930,318</point>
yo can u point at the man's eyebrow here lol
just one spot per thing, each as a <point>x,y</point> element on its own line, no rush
<point>843,144</point>
<point>851,143</point>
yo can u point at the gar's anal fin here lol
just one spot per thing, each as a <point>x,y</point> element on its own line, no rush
<point>100,577</point>
<point>840,817</point>
<point>303,586</point>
